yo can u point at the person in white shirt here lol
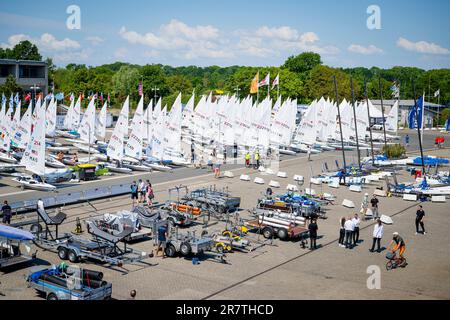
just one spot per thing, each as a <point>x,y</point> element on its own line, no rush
<point>356,222</point>
<point>349,228</point>
<point>378,231</point>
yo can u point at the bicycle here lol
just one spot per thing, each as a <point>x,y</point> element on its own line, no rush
<point>394,262</point>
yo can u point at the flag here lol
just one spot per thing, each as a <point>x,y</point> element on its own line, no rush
<point>395,89</point>
<point>254,85</point>
<point>28,97</point>
<point>16,99</point>
<point>109,98</point>
<point>276,82</point>
<point>141,89</point>
<point>437,93</point>
<point>101,97</point>
<point>415,117</point>
<point>447,124</point>
<point>265,82</point>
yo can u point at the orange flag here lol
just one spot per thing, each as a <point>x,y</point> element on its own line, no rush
<point>254,85</point>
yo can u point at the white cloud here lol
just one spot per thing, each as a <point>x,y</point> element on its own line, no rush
<point>181,40</point>
<point>72,56</point>
<point>94,40</point>
<point>371,49</point>
<point>253,46</point>
<point>47,42</point>
<point>421,47</point>
<point>282,33</point>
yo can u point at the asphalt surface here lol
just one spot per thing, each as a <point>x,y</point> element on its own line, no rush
<point>275,270</point>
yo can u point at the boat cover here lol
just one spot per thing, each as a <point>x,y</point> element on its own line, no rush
<point>15,234</point>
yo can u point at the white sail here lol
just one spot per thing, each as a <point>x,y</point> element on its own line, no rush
<point>188,112</point>
<point>115,149</point>
<point>23,132</point>
<point>392,119</point>
<point>50,118</point>
<point>172,137</point>
<point>148,123</point>
<point>134,145</point>
<point>307,132</point>
<point>76,114</point>
<point>69,115</point>
<point>34,155</point>
<point>100,127</point>
<point>87,126</point>
<point>16,119</point>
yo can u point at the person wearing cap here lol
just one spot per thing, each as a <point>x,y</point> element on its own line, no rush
<point>397,244</point>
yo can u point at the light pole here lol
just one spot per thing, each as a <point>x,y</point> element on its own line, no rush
<point>34,88</point>
<point>155,90</point>
<point>237,91</point>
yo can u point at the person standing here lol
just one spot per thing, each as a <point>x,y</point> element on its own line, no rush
<point>309,153</point>
<point>162,240</point>
<point>247,159</point>
<point>134,192</point>
<point>378,231</point>
<point>7,213</point>
<point>142,190</point>
<point>374,202</point>
<point>420,214</point>
<point>150,195</point>
<point>313,234</point>
<point>407,140</point>
<point>217,169</point>
<point>365,205</point>
<point>349,228</point>
<point>342,232</point>
<point>356,222</point>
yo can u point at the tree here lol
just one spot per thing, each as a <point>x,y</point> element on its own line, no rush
<point>125,82</point>
<point>25,50</point>
<point>10,86</point>
<point>303,62</point>
<point>179,84</point>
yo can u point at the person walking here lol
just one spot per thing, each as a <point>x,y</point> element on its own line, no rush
<point>217,169</point>
<point>313,234</point>
<point>378,232</point>
<point>150,195</point>
<point>374,202</point>
<point>247,159</point>
<point>134,192</point>
<point>349,228</point>
<point>342,232</point>
<point>420,214</point>
<point>7,213</point>
<point>356,222</point>
<point>257,159</point>
<point>407,140</point>
<point>309,153</point>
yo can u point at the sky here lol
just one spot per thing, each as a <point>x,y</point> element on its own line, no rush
<point>346,33</point>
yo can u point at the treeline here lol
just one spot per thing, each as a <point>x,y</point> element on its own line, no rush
<point>303,77</point>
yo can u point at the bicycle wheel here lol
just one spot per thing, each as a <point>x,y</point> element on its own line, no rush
<point>389,265</point>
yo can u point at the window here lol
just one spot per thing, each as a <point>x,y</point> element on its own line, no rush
<point>31,72</point>
<point>6,70</point>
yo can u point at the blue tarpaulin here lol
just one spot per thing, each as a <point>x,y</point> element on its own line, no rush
<point>430,161</point>
<point>15,234</point>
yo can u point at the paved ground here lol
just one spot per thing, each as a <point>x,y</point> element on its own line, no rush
<point>283,270</point>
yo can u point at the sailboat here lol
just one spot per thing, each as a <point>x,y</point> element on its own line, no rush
<point>87,131</point>
<point>5,135</point>
<point>34,157</point>
<point>115,149</point>
<point>71,120</point>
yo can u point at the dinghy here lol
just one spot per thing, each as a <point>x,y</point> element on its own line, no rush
<point>27,182</point>
<point>4,157</point>
<point>53,163</point>
<point>157,166</point>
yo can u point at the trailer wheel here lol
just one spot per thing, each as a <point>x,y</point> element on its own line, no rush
<point>36,228</point>
<point>267,232</point>
<point>185,249</point>
<point>62,253</point>
<point>282,234</point>
<point>52,297</point>
<point>170,251</point>
<point>73,257</point>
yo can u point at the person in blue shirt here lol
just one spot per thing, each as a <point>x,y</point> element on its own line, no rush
<point>162,241</point>
<point>134,192</point>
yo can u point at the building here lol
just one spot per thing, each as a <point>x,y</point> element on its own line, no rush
<point>32,76</point>
<point>431,110</point>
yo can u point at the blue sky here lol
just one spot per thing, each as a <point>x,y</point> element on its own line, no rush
<point>232,32</point>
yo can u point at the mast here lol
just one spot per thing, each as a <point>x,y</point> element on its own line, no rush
<point>382,111</point>
<point>356,123</point>
<point>418,127</point>
<point>368,115</point>
<point>340,123</point>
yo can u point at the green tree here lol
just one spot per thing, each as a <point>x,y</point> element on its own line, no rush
<point>303,62</point>
<point>10,86</point>
<point>125,82</point>
<point>25,50</point>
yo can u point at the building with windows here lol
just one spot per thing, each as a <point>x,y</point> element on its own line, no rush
<point>32,76</point>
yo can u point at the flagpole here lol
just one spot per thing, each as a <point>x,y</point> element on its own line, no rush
<point>368,115</point>
<point>418,127</point>
<point>382,111</point>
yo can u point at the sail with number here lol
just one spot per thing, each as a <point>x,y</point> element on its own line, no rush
<point>100,127</point>
<point>134,144</point>
<point>115,149</point>
<point>87,126</point>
